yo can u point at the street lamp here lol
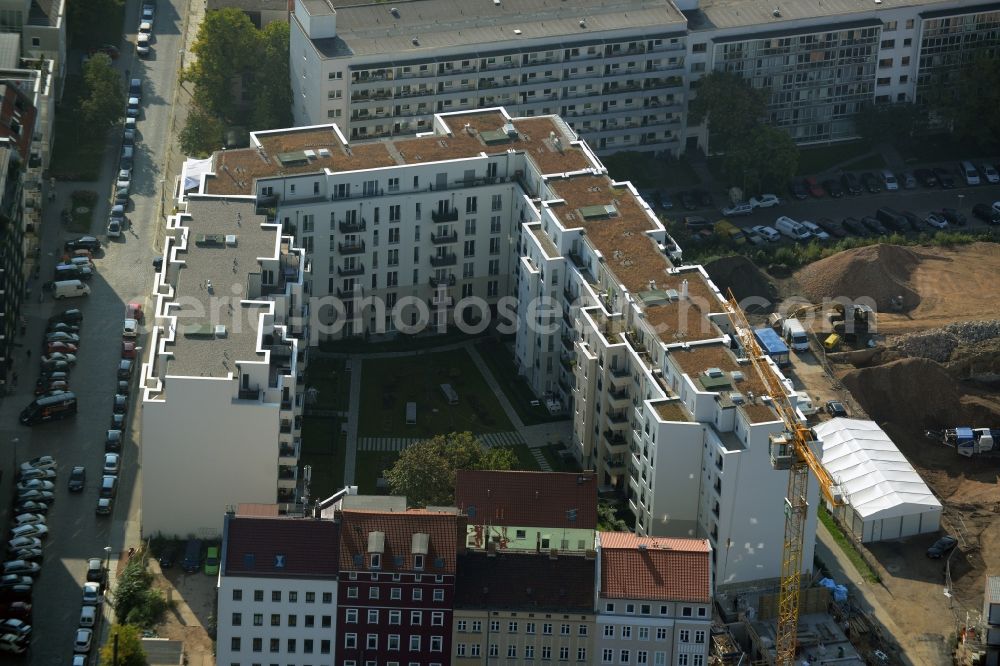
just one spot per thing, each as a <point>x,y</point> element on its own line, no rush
<point>107,560</point>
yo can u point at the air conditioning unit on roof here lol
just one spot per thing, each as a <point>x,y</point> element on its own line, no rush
<point>231,239</point>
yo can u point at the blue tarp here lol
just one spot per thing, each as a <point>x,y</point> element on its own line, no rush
<point>773,345</point>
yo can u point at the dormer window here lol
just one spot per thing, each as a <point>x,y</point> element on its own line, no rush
<point>375,561</point>
<point>418,562</point>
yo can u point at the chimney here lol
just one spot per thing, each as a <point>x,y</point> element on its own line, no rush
<point>684,288</point>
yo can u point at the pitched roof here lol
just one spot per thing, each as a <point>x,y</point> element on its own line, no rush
<point>656,568</point>
<point>442,529</point>
<point>280,547</point>
<point>532,499</point>
<point>513,581</point>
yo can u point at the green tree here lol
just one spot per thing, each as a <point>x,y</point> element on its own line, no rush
<point>228,46</point>
<point>967,99</point>
<point>425,472</point>
<point>764,160</point>
<point>103,103</point>
<point>202,133</point>
<point>87,21</point>
<point>272,89</point>
<point>892,123</point>
<point>129,652</point>
<point>731,106</point>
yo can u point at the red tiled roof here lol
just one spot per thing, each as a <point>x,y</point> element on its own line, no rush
<point>445,531</point>
<point>281,547</point>
<point>259,510</point>
<point>654,568</point>
<point>514,581</point>
<point>530,499</point>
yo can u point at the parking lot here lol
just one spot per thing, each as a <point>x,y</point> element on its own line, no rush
<point>123,273</point>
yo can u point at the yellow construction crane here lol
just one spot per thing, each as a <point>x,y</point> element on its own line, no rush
<point>789,450</point>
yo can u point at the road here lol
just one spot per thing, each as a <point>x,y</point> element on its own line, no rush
<point>124,274</point>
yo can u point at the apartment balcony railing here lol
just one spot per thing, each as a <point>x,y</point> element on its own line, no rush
<point>352,227</point>
<point>617,417</point>
<point>615,440</point>
<point>353,270</point>
<point>567,342</point>
<point>346,293</point>
<point>441,239</point>
<point>249,393</point>
<point>356,247</point>
<point>449,281</point>
<point>450,215</point>
<point>285,427</point>
<point>440,260</point>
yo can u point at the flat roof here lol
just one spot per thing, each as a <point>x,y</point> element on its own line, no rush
<point>212,283</point>
<point>696,359</point>
<point>236,170</point>
<point>371,29</point>
<point>720,14</point>
<point>672,410</point>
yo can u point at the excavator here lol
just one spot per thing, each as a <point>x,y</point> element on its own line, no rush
<point>852,322</point>
<point>789,450</point>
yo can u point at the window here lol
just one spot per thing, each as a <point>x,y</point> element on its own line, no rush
<point>310,597</point>
<point>393,641</point>
<point>293,597</point>
<point>581,654</point>
<point>311,619</point>
<point>470,227</point>
<point>469,248</point>
<point>529,627</point>
<point>512,651</point>
<point>684,636</point>
<point>290,645</point>
<point>351,616</point>
<point>324,647</point>
<point>237,595</point>
<point>641,657</point>
<point>698,660</point>
<point>702,612</point>
<point>546,628</point>
<point>495,224</point>
<point>274,645</point>
<point>624,656</point>
<point>630,609</point>
<point>890,26</point>
<point>627,633</point>
<point>396,593</point>
<point>437,619</point>
<point>582,630</point>
<point>258,645</point>
<point>474,650</point>
<point>395,617</point>
<point>529,651</point>
<point>307,645</point>
<point>437,643</point>
<point>645,609</point>
<point>460,649</point>
<point>373,592</point>
<point>258,595</point>
<point>512,627</point>
<point>414,643</point>
<point>609,631</point>
<point>699,636</point>
<point>905,62</point>
<point>371,642</point>
<point>686,611</point>
<point>438,595</point>
<point>497,203</point>
<point>661,633</point>
<point>275,620</point>
<point>660,659</point>
<point>327,597</point>
<point>234,644</point>
<point>372,616</point>
<point>546,652</point>
<point>607,656</point>
<point>416,618</point>
<point>564,652</point>
<point>237,619</point>
<point>258,619</point>
<point>470,204</point>
<point>276,596</point>
<point>350,641</point>
<point>643,633</point>
<point>494,246</point>
<point>909,24</point>
<point>494,650</point>
<point>418,594</point>
<point>494,625</point>
<point>325,621</point>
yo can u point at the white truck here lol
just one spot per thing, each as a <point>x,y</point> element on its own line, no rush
<point>795,336</point>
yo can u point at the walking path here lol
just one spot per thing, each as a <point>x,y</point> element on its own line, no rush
<point>354,365</point>
<point>494,386</point>
<point>400,443</point>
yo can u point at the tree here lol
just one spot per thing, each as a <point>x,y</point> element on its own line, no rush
<point>891,123</point>
<point>764,160</point>
<point>272,89</point>
<point>227,47</point>
<point>202,133</point>
<point>967,99</point>
<point>130,652</point>
<point>103,104</point>
<point>425,472</point>
<point>731,106</point>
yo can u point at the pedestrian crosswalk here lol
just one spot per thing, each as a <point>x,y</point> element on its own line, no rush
<point>400,443</point>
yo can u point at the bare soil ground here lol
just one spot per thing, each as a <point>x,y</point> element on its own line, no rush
<point>194,598</point>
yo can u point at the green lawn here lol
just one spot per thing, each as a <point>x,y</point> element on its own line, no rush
<point>822,158</point>
<point>387,384</point>
<point>944,148</point>
<point>525,461</point>
<point>324,448</point>
<point>79,151</point>
<point>400,343</point>
<point>648,171</point>
<point>557,462</point>
<point>332,382</point>
<point>866,163</point>
<point>847,545</point>
<point>369,467</point>
<point>501,364</point>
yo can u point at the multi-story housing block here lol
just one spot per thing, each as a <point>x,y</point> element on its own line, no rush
<point>41,25</point>
<point>533,512</point>
<point>397,573</point>
<point>654,601</point>
<point>220,385</point>
<point>260,12</point>
<point>614,72</point>
<point>523,608</point>
<point>277,590</point>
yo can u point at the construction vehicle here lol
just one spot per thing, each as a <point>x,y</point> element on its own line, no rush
<point>969,442</point>
<point>789,450</point>
<point>853,322</point>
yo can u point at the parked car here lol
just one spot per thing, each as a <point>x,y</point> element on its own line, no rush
<point>148,12</point>
<point>14,644</point>
<point>889,180</point>
<point>912,219</point>
<point>95,570</point>
<point>20,543</point>
<point>60,347</point>
<point>125,369</point>
<point>212,561</point>
<point>27,518</point>
<point>36,473</point>
<point>84,243</point>
<point>769,233</point>
<point>874,226</point>
<point>22,567</point>
<point>124,178</point>
<point>56,357</point>
<point>113,440</point>
<point>77,479</point>
<point>753,237</point>
<point>738,210</point>
<point>158,263</point>
<point>128,349</point>
<point>73,316</point>
<point>688,201</point>
<point>798,190</point>
<point>695,223</point>
<point>112,463</point>
<point>831,227</point>
<point>39,462</point>
<point>944,177</point>
<point>14,626</point>
<point>813,186</point>
<point>84,637</point>
<point>28,555</point>
<point>833,188</point>
<point>167,557</point>
<point>35,484</point>
<point>851,183</point>
<point>836,408</point>
<point>31,507</point>
<point>114,228</point>
<point>955,217</point>
<point>989,173</point>
<point>36,496</point>
<point>853,225</point>
<point>104,506</point>
<point>926,177</point>
<point>935,220</point>
<point>130,328</point>
<point>142,44</point>
<point>764,201</point>
<point>91,594</point>
<point>942,547</point>
<point>63,336</point>
<point>871,183</point>
<point>44,387</point>
<point>985,213</point>
<point>907,180</point>
<point>19,609</point>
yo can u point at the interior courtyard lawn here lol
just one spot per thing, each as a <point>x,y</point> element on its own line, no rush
<point>387,384</point>
<point>331,381</point>
<point>323,448</point>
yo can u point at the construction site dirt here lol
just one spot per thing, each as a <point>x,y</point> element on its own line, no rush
<point>945,377</point>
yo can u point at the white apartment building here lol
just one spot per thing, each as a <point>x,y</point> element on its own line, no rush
<point>653,601</point>
<point>41,25</point>
<point>277,591</point>
<point>621,74</point>
<point>636,348</point>
<point>220,397</point>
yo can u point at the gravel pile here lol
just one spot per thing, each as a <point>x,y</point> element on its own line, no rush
<point>880,272</point>
<point>938,344</point>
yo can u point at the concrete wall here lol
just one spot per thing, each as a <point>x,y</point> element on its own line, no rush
<point>200,438</point>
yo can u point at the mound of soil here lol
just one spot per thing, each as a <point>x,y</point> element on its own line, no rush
<point>880,272</point>
<point>748,283</point>
<point>913,393</point>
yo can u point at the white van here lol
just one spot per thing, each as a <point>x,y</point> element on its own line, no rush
<point>786,226</point>
<point>969,173</point>
<point>88,616</point>
<point>889,180</point>
<point>69,289</point>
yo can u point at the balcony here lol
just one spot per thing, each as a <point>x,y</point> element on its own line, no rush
<point>347,294</point>
<point>448,281</point>
<point>618,398</point>
<point>288,454</point>
<point>441,239</point>
<point>450,215</point>
<point>616,442</point>
<point>567,342</point>
<point>442,300</point>
<point>353,270</point>
<point>285,427</point>
<point>356,247</point>
<point>619,375</point>
<point>287,477</point>
<point>352,227</point>
<point>614,462</point>
<point>618,418</point>
<point>249,393</point>
<point>441,260</point>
